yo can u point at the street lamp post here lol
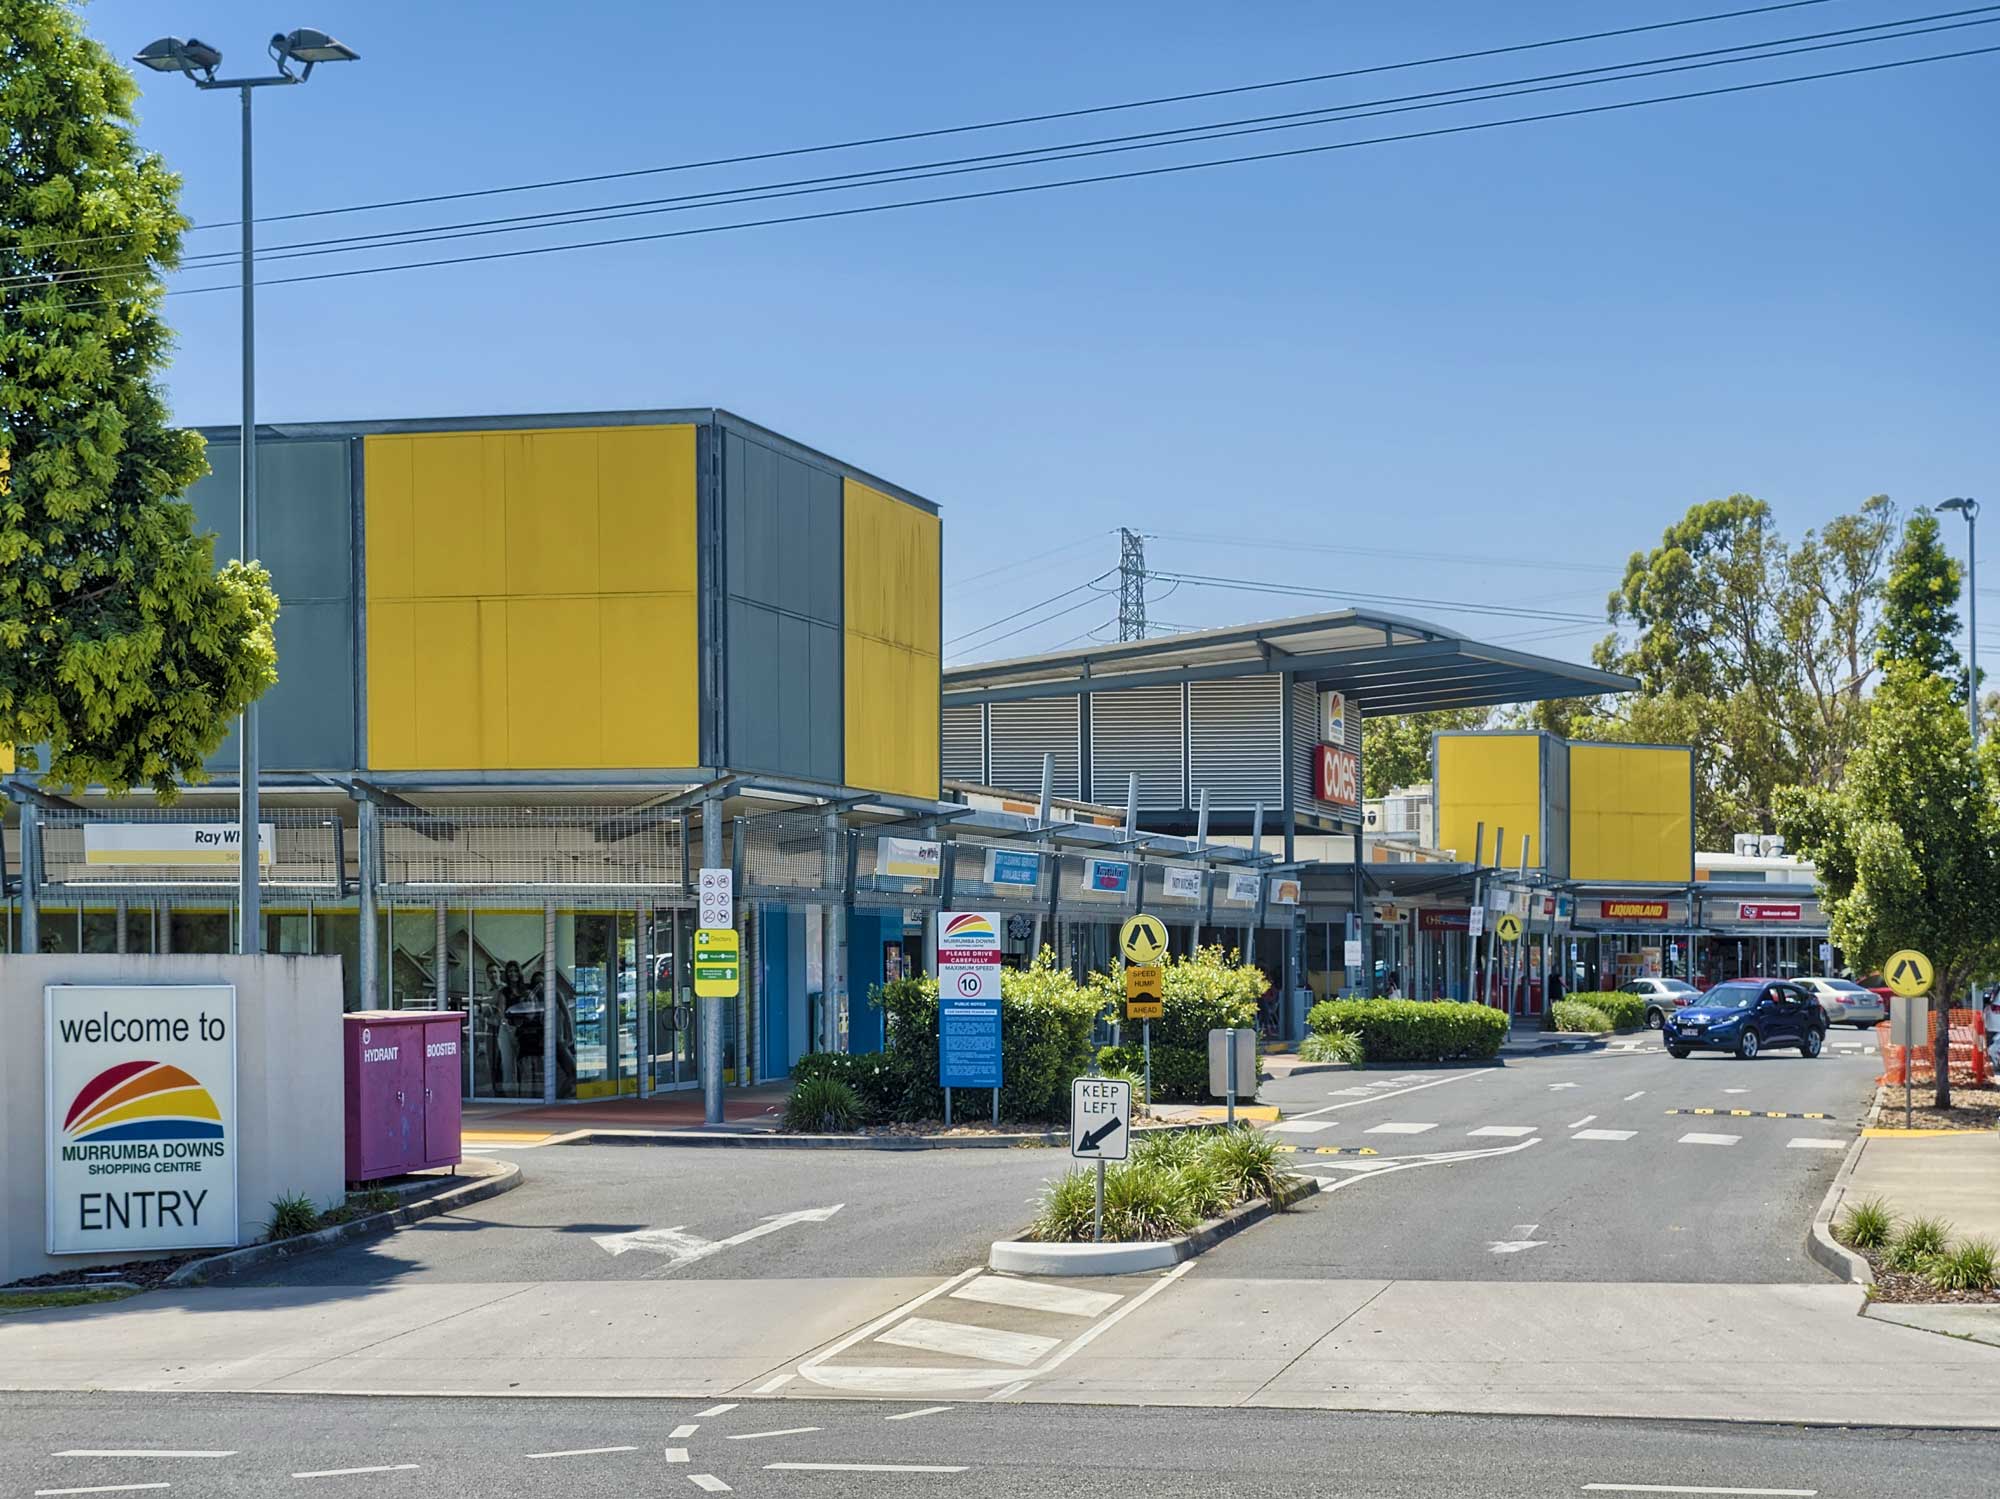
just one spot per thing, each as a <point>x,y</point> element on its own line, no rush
<point>1969,508</point>
<point>197,61</point>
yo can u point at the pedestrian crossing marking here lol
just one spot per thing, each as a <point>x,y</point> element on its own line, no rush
<point>1754,1113</point>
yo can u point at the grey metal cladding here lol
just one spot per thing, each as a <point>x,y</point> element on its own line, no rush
<point>964,743</point>
<point>1138,729</point>
<point>782,586</point>
<point>1235,745</point>
<point>306,537</point>
<point>1022,732</point>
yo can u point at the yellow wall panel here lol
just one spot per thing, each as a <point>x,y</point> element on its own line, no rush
<point>893,655</point>
<point>1495,779</point>
<point>1631,812</point>
<point>532,599</point>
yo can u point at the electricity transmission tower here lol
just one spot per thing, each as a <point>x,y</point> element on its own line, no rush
<point>1131,585</point>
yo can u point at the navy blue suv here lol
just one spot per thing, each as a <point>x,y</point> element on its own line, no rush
<point>1747,1016</point>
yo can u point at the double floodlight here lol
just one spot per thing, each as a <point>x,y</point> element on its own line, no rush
<point>193,57</point>
<point>1960,502</point>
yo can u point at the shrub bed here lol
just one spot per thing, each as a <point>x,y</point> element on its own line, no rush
<point>1174,1181</point>
<point>1208,989</point>
<point>1575,1015</point>
<point>1624,1012</point>
<point>1411,1030</point>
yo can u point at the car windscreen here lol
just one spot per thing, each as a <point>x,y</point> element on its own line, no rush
<point>1727,998</point>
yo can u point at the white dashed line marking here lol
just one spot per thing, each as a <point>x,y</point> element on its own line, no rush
<point>929,1410</point>
<point>1580,1123</point>
<point>709,1482</point>
<point>1400,1128</point>
<point>1505,1131</point>
<point>1604,1134</point>
<point>104,1488</point>
<point>675,1454</point>
<point>1701,1139</point>
<point>144,1452</point>
<point>683,1431</point>
<point>1299,1126</point>
<point>715,1410</point>
<point>1690,1488</point>
<point>350,1472</point>
<point>1436,1082</point>
<point>782,1431</point>
<point>1630,1096</point>
<point>580,1452</point>
<point>1805,1142</point>
<point>861,1468</point>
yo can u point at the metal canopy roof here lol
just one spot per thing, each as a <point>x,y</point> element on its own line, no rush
<point>1391,664</point>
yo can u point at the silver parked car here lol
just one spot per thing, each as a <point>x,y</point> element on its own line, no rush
<point>1662,996</point>
<point>1846,1002</point>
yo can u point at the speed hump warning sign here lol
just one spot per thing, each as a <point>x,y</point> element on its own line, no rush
<point>1508,928</point>
<point>1143,940</point>
<point>1908,973</point>
<point>1145,987</point>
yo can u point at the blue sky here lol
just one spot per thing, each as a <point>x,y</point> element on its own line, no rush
<point>1511,356</point>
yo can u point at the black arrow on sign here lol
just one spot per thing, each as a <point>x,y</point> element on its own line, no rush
<point>1907,969</point>
<point>1096,1137</point>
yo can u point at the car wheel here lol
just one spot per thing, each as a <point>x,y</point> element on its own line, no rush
<point>1866,1025</point>
<point>1815,1039</point>
<point>1678,1052</point>
<point>1746,1044</point>
<point>1655,1020</point>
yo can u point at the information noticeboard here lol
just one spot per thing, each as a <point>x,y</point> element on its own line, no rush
<point>969,1043</point>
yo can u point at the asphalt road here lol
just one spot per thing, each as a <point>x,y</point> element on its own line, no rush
<point>472,1449</point>
<point>1636,1201</point>
<point>900,1213</point>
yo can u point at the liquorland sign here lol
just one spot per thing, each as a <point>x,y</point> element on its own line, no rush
<point>141,1117</point>
<point>1632,910</point>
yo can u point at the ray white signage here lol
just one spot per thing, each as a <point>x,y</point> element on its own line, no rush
<point>177,843</point>
<point>909,858</point>
<point>140,1101</point>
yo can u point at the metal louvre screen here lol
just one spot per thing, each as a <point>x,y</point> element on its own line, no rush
<point>140,852</point>
<point>570,853</point>
<point>1235,743</point>
<point>1139,728</point>
<point>964,744</point>
<point>1022,733</point>
<point>791,853</point>
<point>971,890</point>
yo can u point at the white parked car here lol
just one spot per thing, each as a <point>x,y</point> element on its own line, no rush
<point>1846,1002</point>
<point>1662,996</point>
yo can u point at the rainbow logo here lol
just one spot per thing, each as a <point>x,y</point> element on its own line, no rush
<point>968,924</point>
<point>143,1101</point>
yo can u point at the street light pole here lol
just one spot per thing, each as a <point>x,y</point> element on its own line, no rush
<point>198,61</point>
<point>1968,507</point>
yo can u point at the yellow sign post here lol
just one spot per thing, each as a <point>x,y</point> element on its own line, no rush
<point>1143,939</point>
<point>1908,973</point>
<point>717,963</point>
<point>1508,928</point>
<point>1145,986</point>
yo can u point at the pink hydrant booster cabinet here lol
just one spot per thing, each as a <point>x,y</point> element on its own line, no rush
<point>402,1073</point>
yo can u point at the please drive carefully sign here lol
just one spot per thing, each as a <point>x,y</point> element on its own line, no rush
<point>141,1117</point>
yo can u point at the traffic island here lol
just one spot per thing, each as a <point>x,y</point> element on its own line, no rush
<point>1028,1256</point>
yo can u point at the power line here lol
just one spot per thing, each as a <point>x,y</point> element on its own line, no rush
<point>1032,624</point>
<point>1297,590</point>
<point>1470,558</point>
<point>1032,119</point>
<point>1031,608</point>
<point>1068,151</point>
<point>1068,546</point>
<point>1101,178</point>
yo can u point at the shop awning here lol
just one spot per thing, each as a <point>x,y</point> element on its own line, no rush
<point>1389,663</point>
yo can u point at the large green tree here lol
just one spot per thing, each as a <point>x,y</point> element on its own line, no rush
<point>1907,845</point>
<point>1920,604</point>
<point>122,649</point>
<point>1396,751</point>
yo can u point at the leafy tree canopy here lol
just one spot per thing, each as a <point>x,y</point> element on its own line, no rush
<point>1920,604</point>
<point>122,649</point>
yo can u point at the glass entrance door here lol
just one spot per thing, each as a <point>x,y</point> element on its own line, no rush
<point>674,1042</point>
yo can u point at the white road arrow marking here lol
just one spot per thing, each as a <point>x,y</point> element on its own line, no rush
<point>1523,1239</point>
<point>684,1248</point>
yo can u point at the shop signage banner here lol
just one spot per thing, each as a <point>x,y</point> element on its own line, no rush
<point>1242,889</point>
<point>908,858</point>
<point>1180,884</point>
<point>1756,911</point>
<point>1107,876</point>
<point>1443,920</point>
<point>1632,910</point>
<point>1284,891</point>
<point>1014,870</point>
<point>181,843</point>
<point>1336,775</point>
<point>141,1117</point>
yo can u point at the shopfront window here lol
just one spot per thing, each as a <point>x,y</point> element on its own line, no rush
<point>675,1040</point>
<point>597,976</point>
<point>505,958</point>
<point>412,958</point>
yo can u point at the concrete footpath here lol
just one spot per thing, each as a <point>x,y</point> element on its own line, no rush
<point>1955,1177</point>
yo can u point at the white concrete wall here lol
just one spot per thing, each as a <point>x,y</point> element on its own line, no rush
<point>289,1110</point>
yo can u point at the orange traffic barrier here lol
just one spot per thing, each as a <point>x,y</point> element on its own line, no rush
<point>1969,1064</point>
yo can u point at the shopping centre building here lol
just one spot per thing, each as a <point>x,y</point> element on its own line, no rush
<point>528,663</point>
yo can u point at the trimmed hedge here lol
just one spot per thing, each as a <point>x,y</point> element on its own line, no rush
<point>1575,1015</point>
<point>1412,1030</point>
<point>1208,989</point>
<point>1626,1012</point>
<point>879,1080</point>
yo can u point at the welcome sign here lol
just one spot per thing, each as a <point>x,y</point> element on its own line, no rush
<point>141,1117</point>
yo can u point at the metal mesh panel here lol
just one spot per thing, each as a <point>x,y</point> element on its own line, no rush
<point>785,853</point>
<point>1159,895</point>
<point>305,859</point>
<point>568,853</point>
<point>1079,899</point>
<point>874,888</point>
